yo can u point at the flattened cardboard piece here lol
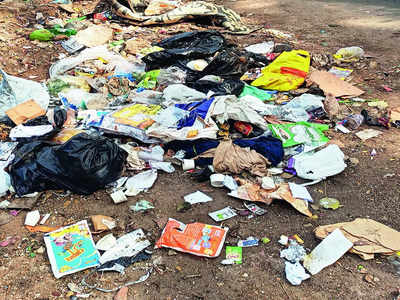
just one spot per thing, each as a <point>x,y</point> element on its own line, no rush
<point>331,84</point>
<point>368,236</point>
<point>101,223</point>
<point>25,111</point>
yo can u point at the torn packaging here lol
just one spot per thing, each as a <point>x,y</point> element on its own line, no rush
<point>253,192</point>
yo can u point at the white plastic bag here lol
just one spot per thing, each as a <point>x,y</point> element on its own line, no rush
<point>295,273</point>
<point>114,61</point>
<point>230,107</point>
<point>15,90</point>
<point>140,182</point>
<point>179,93</point>
<point>319,165</point>
<point>261,48</point>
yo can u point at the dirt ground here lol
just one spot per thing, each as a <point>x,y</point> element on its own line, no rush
<point>363,189</point>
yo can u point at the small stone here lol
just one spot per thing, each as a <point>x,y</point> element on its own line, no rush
<point>354,161</point>
<point>369,278</point>
<point>178,268</point>
<point>69,294</point>
<point>172,252</point>
<point>157,260</point>
<point>286,175</point>
<point>245,275</point>
<point>56,293</point>
<point>373,65</point>
<point>40,250</point>
<point>122,294</point>
<point>265,240</point>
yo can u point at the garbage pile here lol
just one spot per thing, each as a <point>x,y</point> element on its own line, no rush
<point>111,120</point>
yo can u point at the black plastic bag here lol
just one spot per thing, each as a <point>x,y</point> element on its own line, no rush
<point>59,116</point>
<point>227,87</point>
<point>232,63</point>
<point>41,120</point>
<point>188,45</point>
<point>84,164</point>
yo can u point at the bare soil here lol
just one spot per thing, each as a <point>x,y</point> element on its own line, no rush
<point>363,189</point>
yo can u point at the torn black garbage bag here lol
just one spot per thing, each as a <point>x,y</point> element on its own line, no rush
<point>84,164</point>
<point>188,45</point>
<point>227,87</point>
<point>233,63</point>
<point>121,263</point>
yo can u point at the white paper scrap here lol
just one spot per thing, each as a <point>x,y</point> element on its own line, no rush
<point>300,192</point>
<point>197,197</point>
<point>333,247</point>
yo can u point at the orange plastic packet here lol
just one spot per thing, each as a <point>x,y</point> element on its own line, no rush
<point>25,111</point>
<point>65,134</point>
<point>195,238</point>
<point>41,228</point>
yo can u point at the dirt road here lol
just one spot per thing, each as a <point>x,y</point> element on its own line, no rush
<point>363,189</point>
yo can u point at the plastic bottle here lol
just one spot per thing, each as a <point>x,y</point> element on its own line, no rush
<point>353,121</point>
<point>349,54</point>
<point>395,261</point>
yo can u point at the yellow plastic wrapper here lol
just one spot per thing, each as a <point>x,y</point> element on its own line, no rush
<point>137,115</point>
<point>287,72</point>
<point>76,82</point>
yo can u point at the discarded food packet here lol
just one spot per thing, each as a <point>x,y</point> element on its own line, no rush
<point>32,218</point>
<point>254,208</point>
<point>71,249</point>
<point>300,132</point>
<point>340,72</point>
<point>118,197</point>
<point>162,165</point>
<point>140,182</point>
<point>180,155</point>
<point>234,253</point>
<point>4,204</point>
<point>118,183</point>
<point>72,45</point>
<point>229,261</point>
<point>333,247</point>
<point>101,222</point>
<point>295,273</point>
<point>283,240</point>
<point>195,238</point>
<point>223,214</point>
<point>197,197</point>
<point>106,242</point>
<point>249,242</point>
<point>119,264</point>
<point>330,203</point>
<point>368,134</point>
<point>127,245</point>
<point>141,205</point>
<point>294,252</point>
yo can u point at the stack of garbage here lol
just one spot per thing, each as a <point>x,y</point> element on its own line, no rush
<point>194,100</point>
